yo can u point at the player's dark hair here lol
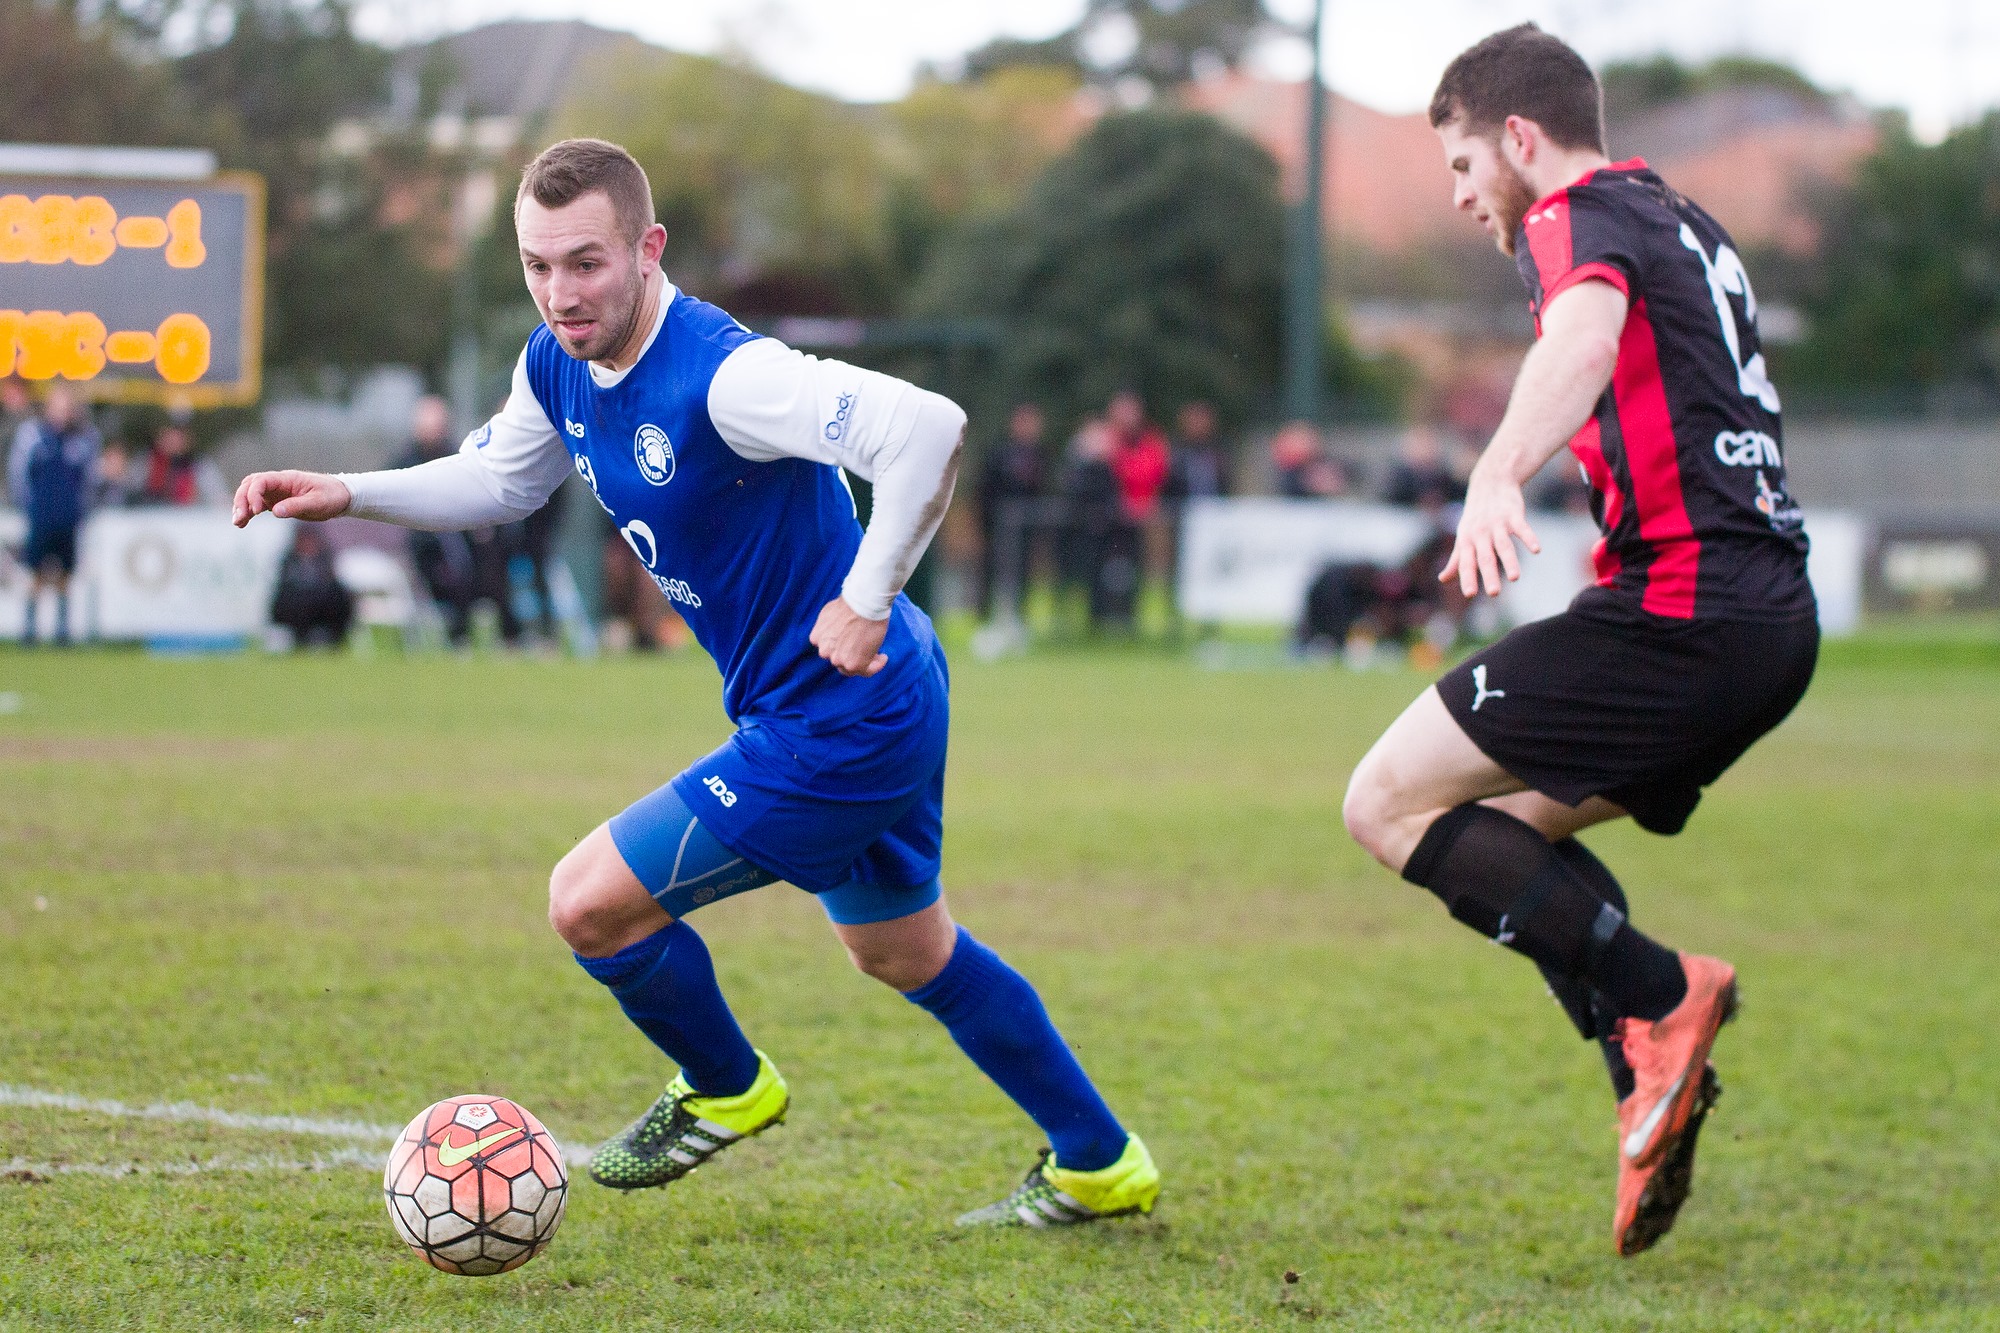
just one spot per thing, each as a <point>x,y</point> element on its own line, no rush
<point>566,171</point>
<point>1524,72</point>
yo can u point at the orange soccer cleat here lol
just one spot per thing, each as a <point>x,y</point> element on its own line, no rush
<point>1667,1057</point>
<point>1650,1197</point>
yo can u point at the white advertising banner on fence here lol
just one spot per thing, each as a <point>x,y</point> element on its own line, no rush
<point>158,574</point>
<point>1249,561</point>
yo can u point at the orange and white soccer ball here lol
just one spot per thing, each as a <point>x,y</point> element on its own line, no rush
<point>475,1185</point>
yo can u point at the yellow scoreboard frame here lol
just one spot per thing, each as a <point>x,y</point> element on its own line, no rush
<point>135,291</point>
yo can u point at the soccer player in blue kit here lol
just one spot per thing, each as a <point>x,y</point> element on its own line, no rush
<point>718,453</point>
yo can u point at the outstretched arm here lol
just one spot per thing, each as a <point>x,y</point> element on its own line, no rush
<point>505,470</point>
<point>769,401</point>
<point>1564,375</point>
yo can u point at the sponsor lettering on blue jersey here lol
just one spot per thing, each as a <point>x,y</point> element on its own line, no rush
<point>748,552</point>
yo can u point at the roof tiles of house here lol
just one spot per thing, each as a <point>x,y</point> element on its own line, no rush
<point>1750,156</point>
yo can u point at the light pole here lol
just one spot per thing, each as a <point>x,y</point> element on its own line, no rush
<point>1305,314</point>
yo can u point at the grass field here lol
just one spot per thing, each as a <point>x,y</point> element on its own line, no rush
<point>315,888</point>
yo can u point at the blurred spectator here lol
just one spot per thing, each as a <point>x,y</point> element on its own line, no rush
<point>1420,477</point>
<point>530,544</point>
<point>1198,469</point>
<point>1561,487</point>
<point>175,476</point>
<point>1358,604</point>
<point>1199,464</point>
<point>112,485</point>
<point>1012,472</point>
<point>15,408</point>
<point>639,614</point>
<point>1138,456</point>
<point>310,601</point>
<point>1304,470</point>
<point>459,569</point>
<point>49,472</point>
<point>1103,543</point>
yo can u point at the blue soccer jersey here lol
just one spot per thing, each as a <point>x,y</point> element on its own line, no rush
<point>748,552</point>
<point>718,456</point>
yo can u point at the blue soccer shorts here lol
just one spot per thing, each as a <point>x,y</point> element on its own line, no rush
<point>854,815</point>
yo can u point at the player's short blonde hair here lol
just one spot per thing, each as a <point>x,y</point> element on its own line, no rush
<point>564,172</point>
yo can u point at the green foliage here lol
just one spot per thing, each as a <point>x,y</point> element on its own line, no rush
<point>1171,41</point>
<point>1363,388</point>
<point>1147,256</point>
<point>755,181</point>
<point>72,81</point>
<point>970,149</point>
<point>317,887</point>
<point>1635,86</point>
<point>349,285</point>
<point>1907,290</point>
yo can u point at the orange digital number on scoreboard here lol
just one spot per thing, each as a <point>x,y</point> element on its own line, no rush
<point>137,290</point>
<point>42,344</point>
<point>63,229</point>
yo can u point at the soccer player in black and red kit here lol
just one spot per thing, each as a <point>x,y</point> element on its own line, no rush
<point>1699,635</point>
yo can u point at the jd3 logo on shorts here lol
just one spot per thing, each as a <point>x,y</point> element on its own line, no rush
<point>721,790</point>
<point>654,454</point>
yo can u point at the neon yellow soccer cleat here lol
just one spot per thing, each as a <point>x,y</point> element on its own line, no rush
<point>1054,1197</point>
<point>683,1130</point>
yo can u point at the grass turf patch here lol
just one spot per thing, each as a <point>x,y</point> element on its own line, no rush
<point>316,887</point>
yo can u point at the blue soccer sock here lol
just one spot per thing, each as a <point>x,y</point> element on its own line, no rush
<point>996,1018</point>
<point>666,985</point>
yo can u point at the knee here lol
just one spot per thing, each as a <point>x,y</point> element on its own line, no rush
<point>582,909</point>
<point>897,969</point>
<point>1367,810</point>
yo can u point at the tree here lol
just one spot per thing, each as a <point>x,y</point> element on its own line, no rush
<point>1165,42</point>
<point>1147,256</point>
<point>773,197</point>
<point>65,79</point>
<point>1907,292</point>
<point>968,149</point>
<point>1633,87</point>
<point>354,280</point>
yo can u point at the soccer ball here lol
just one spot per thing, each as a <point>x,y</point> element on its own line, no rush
<point>475,1185</point>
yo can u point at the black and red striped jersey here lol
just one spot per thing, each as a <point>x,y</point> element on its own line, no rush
<point>1684,453</point>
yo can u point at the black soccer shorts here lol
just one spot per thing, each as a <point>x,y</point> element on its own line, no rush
<point>1641,710</point>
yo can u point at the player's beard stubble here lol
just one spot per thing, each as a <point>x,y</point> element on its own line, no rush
<point>1512,198</point>
<point>615,321</point>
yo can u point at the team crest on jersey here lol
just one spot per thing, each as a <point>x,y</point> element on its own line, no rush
<point>654,453</point>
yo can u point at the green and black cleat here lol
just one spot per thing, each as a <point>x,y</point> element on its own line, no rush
<point>683,1130</point>
<point>1053,1196</point>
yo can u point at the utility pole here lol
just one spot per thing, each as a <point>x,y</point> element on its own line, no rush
<point>1305,311</point>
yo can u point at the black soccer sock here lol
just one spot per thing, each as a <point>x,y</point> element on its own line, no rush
<point>1588,1007</point>
<point>1502,878</point>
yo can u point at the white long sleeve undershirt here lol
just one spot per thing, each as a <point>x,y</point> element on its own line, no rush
<point>767,401</point>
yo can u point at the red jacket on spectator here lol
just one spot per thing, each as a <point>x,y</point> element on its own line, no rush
<point>1139,461</point>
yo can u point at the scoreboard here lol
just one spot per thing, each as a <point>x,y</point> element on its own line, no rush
<point>138,291</point>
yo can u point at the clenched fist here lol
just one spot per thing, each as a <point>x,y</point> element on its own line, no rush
<point>850,641</point>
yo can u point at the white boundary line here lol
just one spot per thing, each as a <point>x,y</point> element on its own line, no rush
<point>13,1095</point>
<point>359,1131</point>
<point>339,1157</point>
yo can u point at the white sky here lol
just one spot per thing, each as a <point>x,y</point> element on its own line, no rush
<point>1938,59</point>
